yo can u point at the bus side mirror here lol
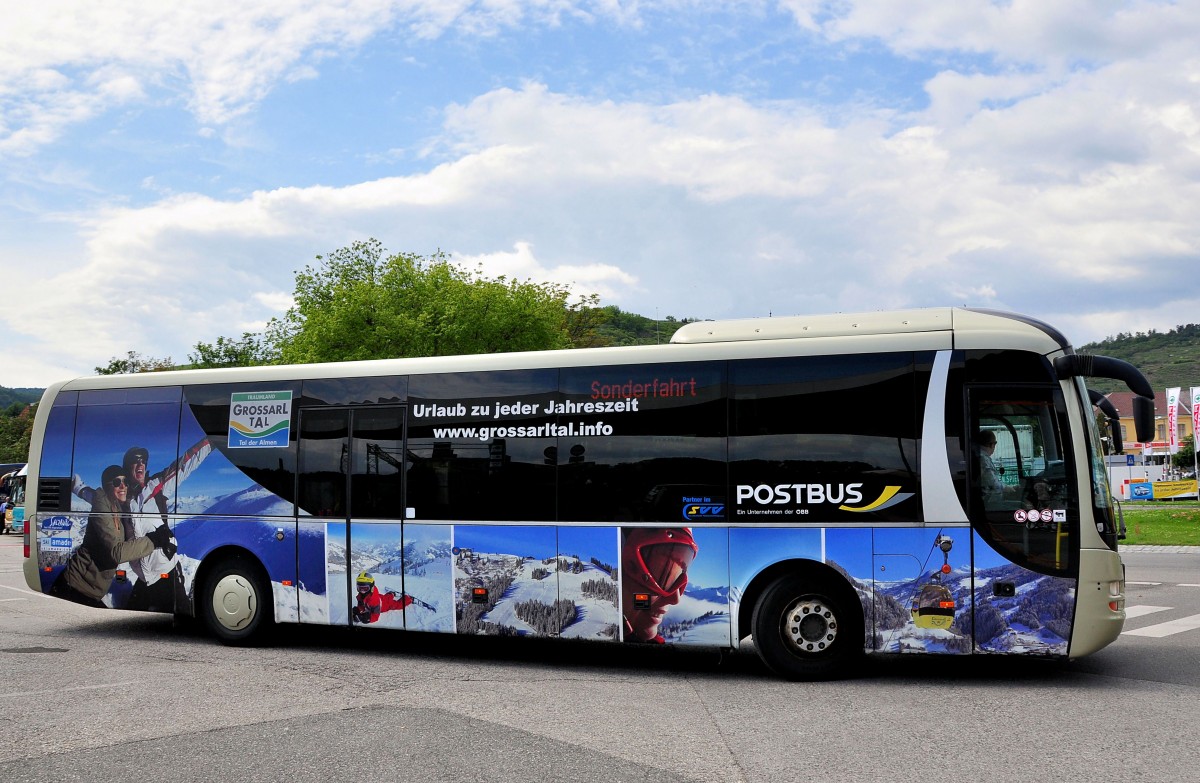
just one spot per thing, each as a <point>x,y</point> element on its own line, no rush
<point>1114,433</point>
<point>1110,414</point>
<point>1143,418</point>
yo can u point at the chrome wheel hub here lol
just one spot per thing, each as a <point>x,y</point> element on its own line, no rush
<point>809,626</point>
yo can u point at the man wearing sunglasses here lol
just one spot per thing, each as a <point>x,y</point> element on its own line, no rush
<point>654,566</point>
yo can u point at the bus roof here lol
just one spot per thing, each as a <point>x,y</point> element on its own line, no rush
<point>900,330</point>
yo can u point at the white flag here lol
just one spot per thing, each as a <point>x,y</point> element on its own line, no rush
<point>1173,420</point>
<point>1195,414</point>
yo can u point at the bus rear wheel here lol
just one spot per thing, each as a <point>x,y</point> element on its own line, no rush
<point>805,632</point>
<point>236,603</point>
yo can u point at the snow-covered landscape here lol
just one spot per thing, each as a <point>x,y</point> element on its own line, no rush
<point>1036,620</point>
<point>526,598</point>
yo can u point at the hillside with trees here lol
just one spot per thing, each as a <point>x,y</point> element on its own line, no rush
<point>1166,358</point>
<point>20,397</point>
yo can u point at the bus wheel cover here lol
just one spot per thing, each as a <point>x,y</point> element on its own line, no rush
<point>803,632</point>
<point>809,625</point>
<point>235,604</point>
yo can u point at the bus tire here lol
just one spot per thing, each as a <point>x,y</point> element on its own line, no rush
<point>237,603</point>
<point>803,631</point>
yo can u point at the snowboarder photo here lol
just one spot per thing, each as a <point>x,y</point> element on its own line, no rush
<point>370,604</point>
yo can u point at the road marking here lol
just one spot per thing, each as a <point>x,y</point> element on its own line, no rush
<point>1138,611</point>
<point>26,591</point>
<point>66,690</point>
<point>1187,585</point>
<point>1145,584</point>
<point>1168,628</point>
<point>10,600</point>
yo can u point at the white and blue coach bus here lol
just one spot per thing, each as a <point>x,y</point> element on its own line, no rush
<point>815,483</point>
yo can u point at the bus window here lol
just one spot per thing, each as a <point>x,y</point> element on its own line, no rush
<point>324,461</point>
<point>1023,497</point>
<point>647,443</point>
<point>376,490</point>
<point>273,469</point>
<point>373,461</point>
<point>479,445</point>
<point>845,428</point>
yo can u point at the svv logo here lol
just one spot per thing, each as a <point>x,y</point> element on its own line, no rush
<point>701,512</point>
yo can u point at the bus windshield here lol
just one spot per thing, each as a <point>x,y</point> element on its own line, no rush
<point>1103,502</point>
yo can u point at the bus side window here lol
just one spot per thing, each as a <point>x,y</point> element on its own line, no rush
<point>324,459</point>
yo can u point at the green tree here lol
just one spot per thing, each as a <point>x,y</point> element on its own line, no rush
<point>1185,458</point>
<point>134,362</point>
<point>15,430</point>
<point>359,303</point>
<point>249,351</point>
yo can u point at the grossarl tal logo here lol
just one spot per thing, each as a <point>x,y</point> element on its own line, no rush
<point>847,497</point>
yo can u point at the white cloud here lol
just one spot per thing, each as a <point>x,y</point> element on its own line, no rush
<point>1029,182</point>
<point>65,61</point>
<point>711,206</point>
<point>604,279</point>
<point>1026,31</point>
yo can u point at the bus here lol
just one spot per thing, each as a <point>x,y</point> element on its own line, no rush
<point>810,483</point>
<point>12,496</point>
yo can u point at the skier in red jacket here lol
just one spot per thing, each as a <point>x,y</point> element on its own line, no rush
<point>370,603</point>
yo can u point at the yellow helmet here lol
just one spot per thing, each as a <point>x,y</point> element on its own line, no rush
<point>365,579</point>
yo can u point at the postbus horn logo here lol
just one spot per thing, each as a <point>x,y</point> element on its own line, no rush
<point>888,498</point>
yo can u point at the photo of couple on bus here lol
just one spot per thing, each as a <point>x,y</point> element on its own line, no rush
<point>128,526</point>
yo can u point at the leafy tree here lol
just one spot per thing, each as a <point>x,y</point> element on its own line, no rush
<point>249,351</point>
<point>16,426</point>
<point>358,303</point>
<point>134,362</point>
<point>1185,458</point>
<point>585,321</point>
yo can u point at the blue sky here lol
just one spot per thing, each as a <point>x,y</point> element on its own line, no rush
<point>166,168</point>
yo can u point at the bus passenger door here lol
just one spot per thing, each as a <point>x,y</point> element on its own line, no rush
<point>323,522</point>
<point>352,491</point>
<point>376,510</point>
<point>1024,509</point>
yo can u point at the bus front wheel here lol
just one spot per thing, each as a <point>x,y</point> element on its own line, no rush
<point>805,632</point>
<point>237,603</point>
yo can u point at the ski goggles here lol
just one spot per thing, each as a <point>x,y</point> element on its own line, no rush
<point>365,588</point>
<point>665,566</point>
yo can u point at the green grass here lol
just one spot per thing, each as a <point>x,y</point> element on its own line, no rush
<point>1165,523</point>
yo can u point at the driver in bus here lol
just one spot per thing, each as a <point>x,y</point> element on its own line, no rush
<point>654,566</point>
<point>990,482</point>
